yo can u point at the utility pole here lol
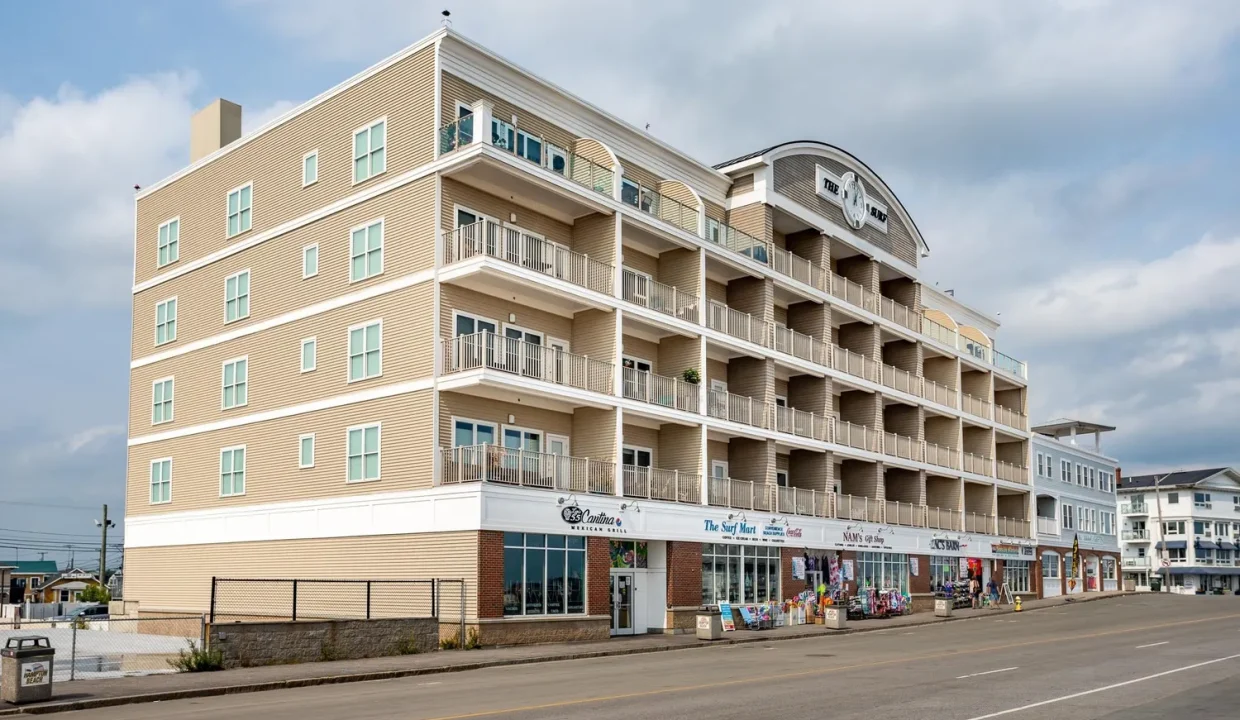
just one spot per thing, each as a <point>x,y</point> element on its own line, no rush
<point>103,545</point>
<point>1166,579</point>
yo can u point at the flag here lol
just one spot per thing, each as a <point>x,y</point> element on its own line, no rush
<point>1076,557</point>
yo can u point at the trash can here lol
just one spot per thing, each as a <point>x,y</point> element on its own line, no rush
<point>26,670</point>
<point>835,617</point>
<point>709,626</point>
<point>943,607</point>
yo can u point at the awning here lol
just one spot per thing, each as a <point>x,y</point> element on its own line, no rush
<point>1172,545</point>
<point>1179,570</point>
<point>1226,545</point>
<point>1207,545</point>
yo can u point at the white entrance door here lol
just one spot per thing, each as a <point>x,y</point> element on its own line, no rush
<point>560,464</point>
<point>636,378</point>
<point>622,592</point>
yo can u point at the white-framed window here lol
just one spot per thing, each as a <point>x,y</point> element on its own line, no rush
<point>1082,518</point>
<point>467,433</point>
<point>240,207</point>
<point>309,354</point>
<point>1202,500</point>
<point>309,261</point>
<point>1050,566</point>
<point>503,134</point>
<point>237,296</point>
<point>236,385</point>
<point>169,250</point>
<point>166,321</point>
<point>1080,475</point>
<point>161,401</point>
<point>1067,517</point>
<point>232,471</point>
<point>1093,478</point>
<point>363,448</point>
<point>530,147</point>
<point>557,159</point>
<point>366,251</point>
<point>370,150</point>
<point>1041,470</point>
<point>1065,471</point>
<point>161,481</point>
<point>1173,498</point>
<point>310,168</point>
<point>305,451</point>
<point>366,351</point>
<point>1173,527</point>
<point>714,231</point>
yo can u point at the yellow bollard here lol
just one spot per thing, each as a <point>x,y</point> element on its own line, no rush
<point>1017,603</point>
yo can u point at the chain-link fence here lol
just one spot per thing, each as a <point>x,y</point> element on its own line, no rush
<point>92,649</point>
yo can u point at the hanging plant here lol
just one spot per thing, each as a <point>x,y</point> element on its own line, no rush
<point>691,376</point>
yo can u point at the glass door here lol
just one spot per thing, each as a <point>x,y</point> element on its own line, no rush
<point>522,457</point>
<point>524,352</point>
<point>622,603</point>
<point>636,466</point>
<point>475,346</point>
<point>560,464</point>
<point>636,379</point>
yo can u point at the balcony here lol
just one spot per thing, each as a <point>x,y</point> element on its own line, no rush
<point>660,206</point>
<point>852,507</point>
<point>902,447</point>
<point>1136,535</point>
<point>1012,473</point>
<point>799,501</point>
<point>941,394</point>
<point>952,339</point>
<point>489,239</point>
<point>1133,508</point>
<point>1013,527</point>
<point>658,484</point>
<point>976,464</point>
<point>488,351</point>
<point>740,494</point>
<point>942,518</point>
<point>803,424</point>
<point>942,456</point>
<point>1011,418</point>
<point>978,523</point>
<point>724,405</point>
<point>641,290</point>
<point>523,468</point>
<point>1136,563</point>
<point>901,380</point>
<point>1048,525</point>
<point>898,513</point>
<point>859,437</point>
<point>975,405</point>
<point>659,390</point>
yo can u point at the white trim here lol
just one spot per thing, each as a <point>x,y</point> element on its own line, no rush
<point>249,285</point>
<point>348,358</point>
<point>369,149</point>
<point>719,463</point>
<point>171,400</point>
<point>301,361</point>
<point>457,208</point>
<point>475,317</point>
<point>568,444</point>
<point>635,360</point>
<point>313,450</point>
<point>304,249</point>
<point>542,436</point>
<point>636,449</point>
<point>162,225</point>
<point>542,337</point>
<point>400,283</point>
<point>304,158</point>
<point>224,365</point>
<point>219,473</point>
<point>375,393</point>
<point>454,419</point>
<point>463,106</point>
<point>238,189</point>
<point>378,453</point>
<point>165,301</point>
<point>382,246</point>
<point>151,469</point>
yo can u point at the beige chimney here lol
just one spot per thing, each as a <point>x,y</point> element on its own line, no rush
<point>213,127</point>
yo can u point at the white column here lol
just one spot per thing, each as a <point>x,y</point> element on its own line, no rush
<point>483,110</point>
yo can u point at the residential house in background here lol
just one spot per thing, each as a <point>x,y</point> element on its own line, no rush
<point>27,578</point>
<point>66,587</point>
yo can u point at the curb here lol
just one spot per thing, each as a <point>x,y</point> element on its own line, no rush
<point>96,703</point>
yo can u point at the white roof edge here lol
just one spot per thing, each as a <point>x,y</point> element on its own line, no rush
<point>1050,442</point>
<point>953,300</point>
<point>311,103</point>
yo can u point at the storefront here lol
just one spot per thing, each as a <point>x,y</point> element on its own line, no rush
<point>1016,575</point>
<point>740,574</point>
<point>1052,575</point>
<point>1109,582</point>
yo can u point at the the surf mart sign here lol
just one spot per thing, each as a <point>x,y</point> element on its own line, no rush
<point>849,192</point>
<point>777,533</point>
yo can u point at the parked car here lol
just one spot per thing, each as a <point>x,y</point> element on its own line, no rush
<point>88,612</point>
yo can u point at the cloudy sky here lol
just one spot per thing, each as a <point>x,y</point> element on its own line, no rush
<point>1070,163</point>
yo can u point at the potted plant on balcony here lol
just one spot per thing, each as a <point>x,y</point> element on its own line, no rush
<point>691,376</point>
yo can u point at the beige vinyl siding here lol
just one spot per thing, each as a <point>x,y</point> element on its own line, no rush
<point>780,314</point>
<point>453,298</point>
<point>274,372</point>
<point>594,434</point>
<point>454,89</point>
<point>715,370</point>
<point>636,347</point>
<point>641,262</point>
<point>404,93</point>
<point>178,578</point>
<point>714,211</point>
<point>454,193</point>
<point>643,437</point>
<point>741,185</point>
<point>276,284</point>
<point>594,335</point>
<point>755,219</point>
<point>715,450</point>
<point>680,268</point>
<point>271,457</point>
<point>595,236</point>
<point>471,407</point>
<point>638,174</point>
<point>678,353</point>
<point>680,448</point>
<point>716,291</point>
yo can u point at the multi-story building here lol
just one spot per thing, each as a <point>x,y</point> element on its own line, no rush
<point>448,320</point>
<point>1180,530</point>
<point>1074,489</point>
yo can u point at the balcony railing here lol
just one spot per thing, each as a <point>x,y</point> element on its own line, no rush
<point>488,351</point>
<point>942,518</point>
<point>799,501</point>
<point>851,292</point>
<point>1048,525</point>
<point>510,466</point>
<point>1134,508</point>
<point>1136,535</point>
<point>583,171</point>
<point>1009,364</point>
<point>1013,473</point>
<point>800,345</point>
<point>902,447</point>
<point>974,405</point>
<point>1136,562</point>
<point>942,456</point>
<point>737,324</point>
<point>659,484</point>
<point>659,390</point>
<point>1011,418</point>
<point>856,365</point>
<point>941,394</point>
<point>798,268</point>
<point>977,464</point>
<point>857,436</point>
<point>653,202</point>
<point>641,290</point>
<point>491,239</point>
<point>901,380</point>
<point>740,494</point>
<point>803,424</point>
<point>853,507</point>
<point>899,314</point>
<point>952,339</point>
<point>898,513</point>
<point>978,523</point>
<point>1013,527</point>
<point>724,405</point>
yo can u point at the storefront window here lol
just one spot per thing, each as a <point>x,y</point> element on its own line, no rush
<point>1016,575</point>
<point>544,574</point>
<point>1050,565</point>
<point>943,570</point>
<point>628,554</point>
<point>739,574</point>
<point>882,571</point>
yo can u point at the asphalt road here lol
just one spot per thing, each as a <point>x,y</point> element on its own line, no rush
<point>1137,657</point>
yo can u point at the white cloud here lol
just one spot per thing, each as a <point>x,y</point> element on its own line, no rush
<point>251,121</point>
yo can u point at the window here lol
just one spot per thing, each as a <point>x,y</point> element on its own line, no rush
<point>161,481</point>
<point>232,471</point>
<point>309,353</point>
<point>305,451</point>
<point>239,206</point>
<point>366,251</point>
<point>630,192</point>
<point>1016,575</point>
<point>1222,529</point>
<point>161,401</point>
<point>370,151</point>
<point>1082,518</point>
<point>1093,478</point>
<point>943,570</point>
<point>169,242</point>
<point>1041,470</point>
<point>1202,500</point>
<point>1173,498</point>
<point>237,296</point>
<point>714,231</point>
<point>1201,528</point>
<point>235,386</point>
<point>465,134</point>
<point>530,147</point>
<point>166,321</point>
<point>310,168</point>
<point>882,571</point>
<point>366,351</point>
<point>1065,471</point>
<point>1173,527</point>
<point>557,159</point>
<point>1080,475</point>
<point>466,433</point>
<point>1067,517</point>
<point>739,574</point>
<point>503,135</point>
<point>1180,554</point>
<point>363,453</point>
<point>544,574</point>
<point>309,261</point>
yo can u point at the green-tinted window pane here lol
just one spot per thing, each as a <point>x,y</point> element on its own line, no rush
<point>378,135</point>
<point>359,169</point>
<point>307,355</point>
<point>307,452</point>
<point>372,337</point>
<point>372,467</point>
<point>245,197</point>
<point>374,236</point>
<point>232,203</point>
<point>355,442</point>
<point>372,440</point>
<point>378,161</point>
<point>243,284</point>
<point>244,219</point>
<point>359,144</point>
<point>374,363</point>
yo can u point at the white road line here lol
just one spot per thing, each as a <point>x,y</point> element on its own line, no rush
<point>1164,642</point>
<point>988,672</point>
<point>1101,689</point>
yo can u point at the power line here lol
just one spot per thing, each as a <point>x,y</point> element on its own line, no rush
<point>48,505</point>
<point>45,532</point>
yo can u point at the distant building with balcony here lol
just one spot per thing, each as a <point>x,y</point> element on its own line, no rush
<point>1074,491</point>
<point>1180,531</point>
<point>448,320</point>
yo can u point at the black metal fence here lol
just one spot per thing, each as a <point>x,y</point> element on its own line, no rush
<point>284,600</point>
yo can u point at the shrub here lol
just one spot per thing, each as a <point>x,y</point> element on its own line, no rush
<point>198,659</point>
<point>408,645</point>
<point>691,376</point>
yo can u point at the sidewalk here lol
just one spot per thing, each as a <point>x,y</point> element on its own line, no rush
<point>86,694</point>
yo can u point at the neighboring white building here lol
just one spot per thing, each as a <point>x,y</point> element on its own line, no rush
<point>1180,530</point>
<point>1074,488</point>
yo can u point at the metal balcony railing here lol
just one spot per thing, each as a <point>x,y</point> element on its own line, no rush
<point>1013,527</point>
<point>803,424</point>
<point>853,507</point>
<point>642,290</point>
<point>739,325</point>
<point>942,518</point>
<point>942,456</point>
<point>979,523</point>
<point>1048,525</point>
<point>724,405</point>
<point>652,202</point>
<point>901,380</point>
<point>1136,535</point>
<point>489,351</point>
<point>487,238</point>
<point>659,484</point>
<point>952,339</point>
<point>1136,562</point>
<point>799,501</point>
<point>977,464</point>
<point>902,447</point>
<point>857,436</point>
<point>659,390</point>
<point>1011,418</point>
<point>740,494</point>
<point>1012,473</point>
<point>511,466</point>
<point>941,394</point>
<point>902,315</point>
<point>1133,508</point>
<point>975,405</point>
<point>898,513</point>
<point>856,365</point>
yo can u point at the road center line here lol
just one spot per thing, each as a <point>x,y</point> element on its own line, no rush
<point>988,672</point>
<point>1164,642</point>
<point>1102,689</point>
